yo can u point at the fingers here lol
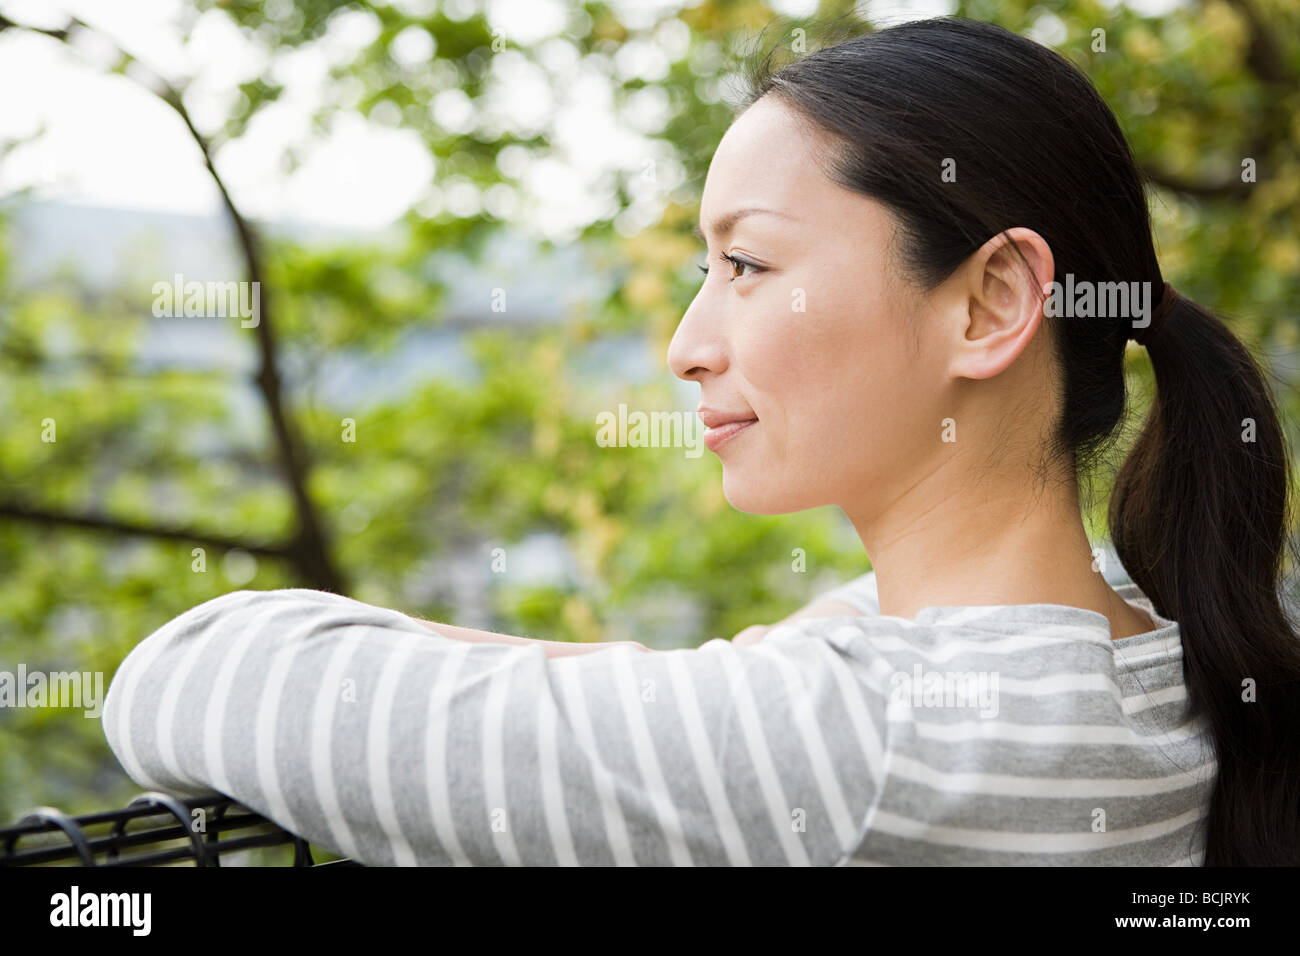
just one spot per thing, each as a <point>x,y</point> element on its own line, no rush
<point>751,635</point>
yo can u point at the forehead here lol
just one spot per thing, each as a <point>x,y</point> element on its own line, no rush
<point>769,157</point>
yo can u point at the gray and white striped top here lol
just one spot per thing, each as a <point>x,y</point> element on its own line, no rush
<point>1015,734</point>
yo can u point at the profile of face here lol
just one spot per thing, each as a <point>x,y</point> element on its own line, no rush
<point>807,328</point>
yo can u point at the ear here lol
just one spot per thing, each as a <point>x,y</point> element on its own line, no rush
<point>999,302</point>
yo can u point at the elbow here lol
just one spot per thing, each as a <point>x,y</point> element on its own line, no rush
<point>130,714</point>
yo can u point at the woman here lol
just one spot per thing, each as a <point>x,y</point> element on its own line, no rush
<point>928,248</point>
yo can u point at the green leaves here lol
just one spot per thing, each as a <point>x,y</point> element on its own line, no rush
<point>447,468</point>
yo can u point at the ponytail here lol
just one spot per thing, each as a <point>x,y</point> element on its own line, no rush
<point>1199,519</point>
<point>1200,511</point>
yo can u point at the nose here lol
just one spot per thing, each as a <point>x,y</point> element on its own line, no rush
<point>697,346</point>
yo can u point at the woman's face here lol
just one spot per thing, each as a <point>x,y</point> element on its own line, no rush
<point>810,333</point>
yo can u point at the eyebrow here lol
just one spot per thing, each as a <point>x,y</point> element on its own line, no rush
<point>725,223</point>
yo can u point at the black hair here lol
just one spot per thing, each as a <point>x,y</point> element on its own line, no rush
<point>1201,505</point>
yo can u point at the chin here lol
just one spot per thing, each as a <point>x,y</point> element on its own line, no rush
<point>760,498</point>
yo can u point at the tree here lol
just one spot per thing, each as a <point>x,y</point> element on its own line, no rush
<point>98,529</point>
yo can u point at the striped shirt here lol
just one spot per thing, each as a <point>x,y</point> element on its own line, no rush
<point>1013,734</point>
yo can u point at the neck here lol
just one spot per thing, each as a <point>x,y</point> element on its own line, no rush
<point>947,542</point>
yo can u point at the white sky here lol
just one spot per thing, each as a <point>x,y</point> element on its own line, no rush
<point>109,142</point>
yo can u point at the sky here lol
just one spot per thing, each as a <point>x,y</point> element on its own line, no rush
<point>108,142</point>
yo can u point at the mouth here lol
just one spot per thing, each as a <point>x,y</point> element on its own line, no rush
<point>716,437</point>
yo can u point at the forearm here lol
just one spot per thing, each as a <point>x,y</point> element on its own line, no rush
<point>360,731</point>
<point>552,648</point>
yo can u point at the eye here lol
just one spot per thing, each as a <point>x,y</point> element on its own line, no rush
<point>736,263</point>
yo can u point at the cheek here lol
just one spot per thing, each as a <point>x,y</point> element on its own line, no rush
<point>822,375</point>
<point>840,394</point>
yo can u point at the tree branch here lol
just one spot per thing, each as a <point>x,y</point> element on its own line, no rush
<point>1264,58</point>
<point>1227,189</point>
<point>1268,64</point>
<point>289,445</point>
<point>311,550</point>
<point>41,516</point>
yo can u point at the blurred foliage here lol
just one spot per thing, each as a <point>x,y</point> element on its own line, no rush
<point>451,470</point>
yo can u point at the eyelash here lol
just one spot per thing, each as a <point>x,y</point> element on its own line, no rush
<point>735,262</point>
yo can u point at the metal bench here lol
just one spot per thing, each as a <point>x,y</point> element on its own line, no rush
<point>172,830</point>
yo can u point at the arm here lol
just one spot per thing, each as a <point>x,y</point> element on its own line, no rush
<point>360,730</point>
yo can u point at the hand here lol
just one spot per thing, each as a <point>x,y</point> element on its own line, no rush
<point>751,635</point>
<point>756,632</point>
<point>635,645</point>
<point>571,648</point>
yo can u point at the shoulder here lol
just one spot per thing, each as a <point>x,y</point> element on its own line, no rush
<point>865,646</point>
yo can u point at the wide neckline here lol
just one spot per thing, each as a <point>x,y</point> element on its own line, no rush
<point>1013,619</point>
<point>1025,617</point>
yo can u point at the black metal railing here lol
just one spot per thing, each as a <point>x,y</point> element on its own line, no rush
<point>168,831</point>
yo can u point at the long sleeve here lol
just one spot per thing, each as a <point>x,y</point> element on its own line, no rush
<point>364,731</point>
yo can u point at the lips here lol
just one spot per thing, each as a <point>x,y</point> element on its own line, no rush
<point>723,425</point>
<point>715,438</point>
